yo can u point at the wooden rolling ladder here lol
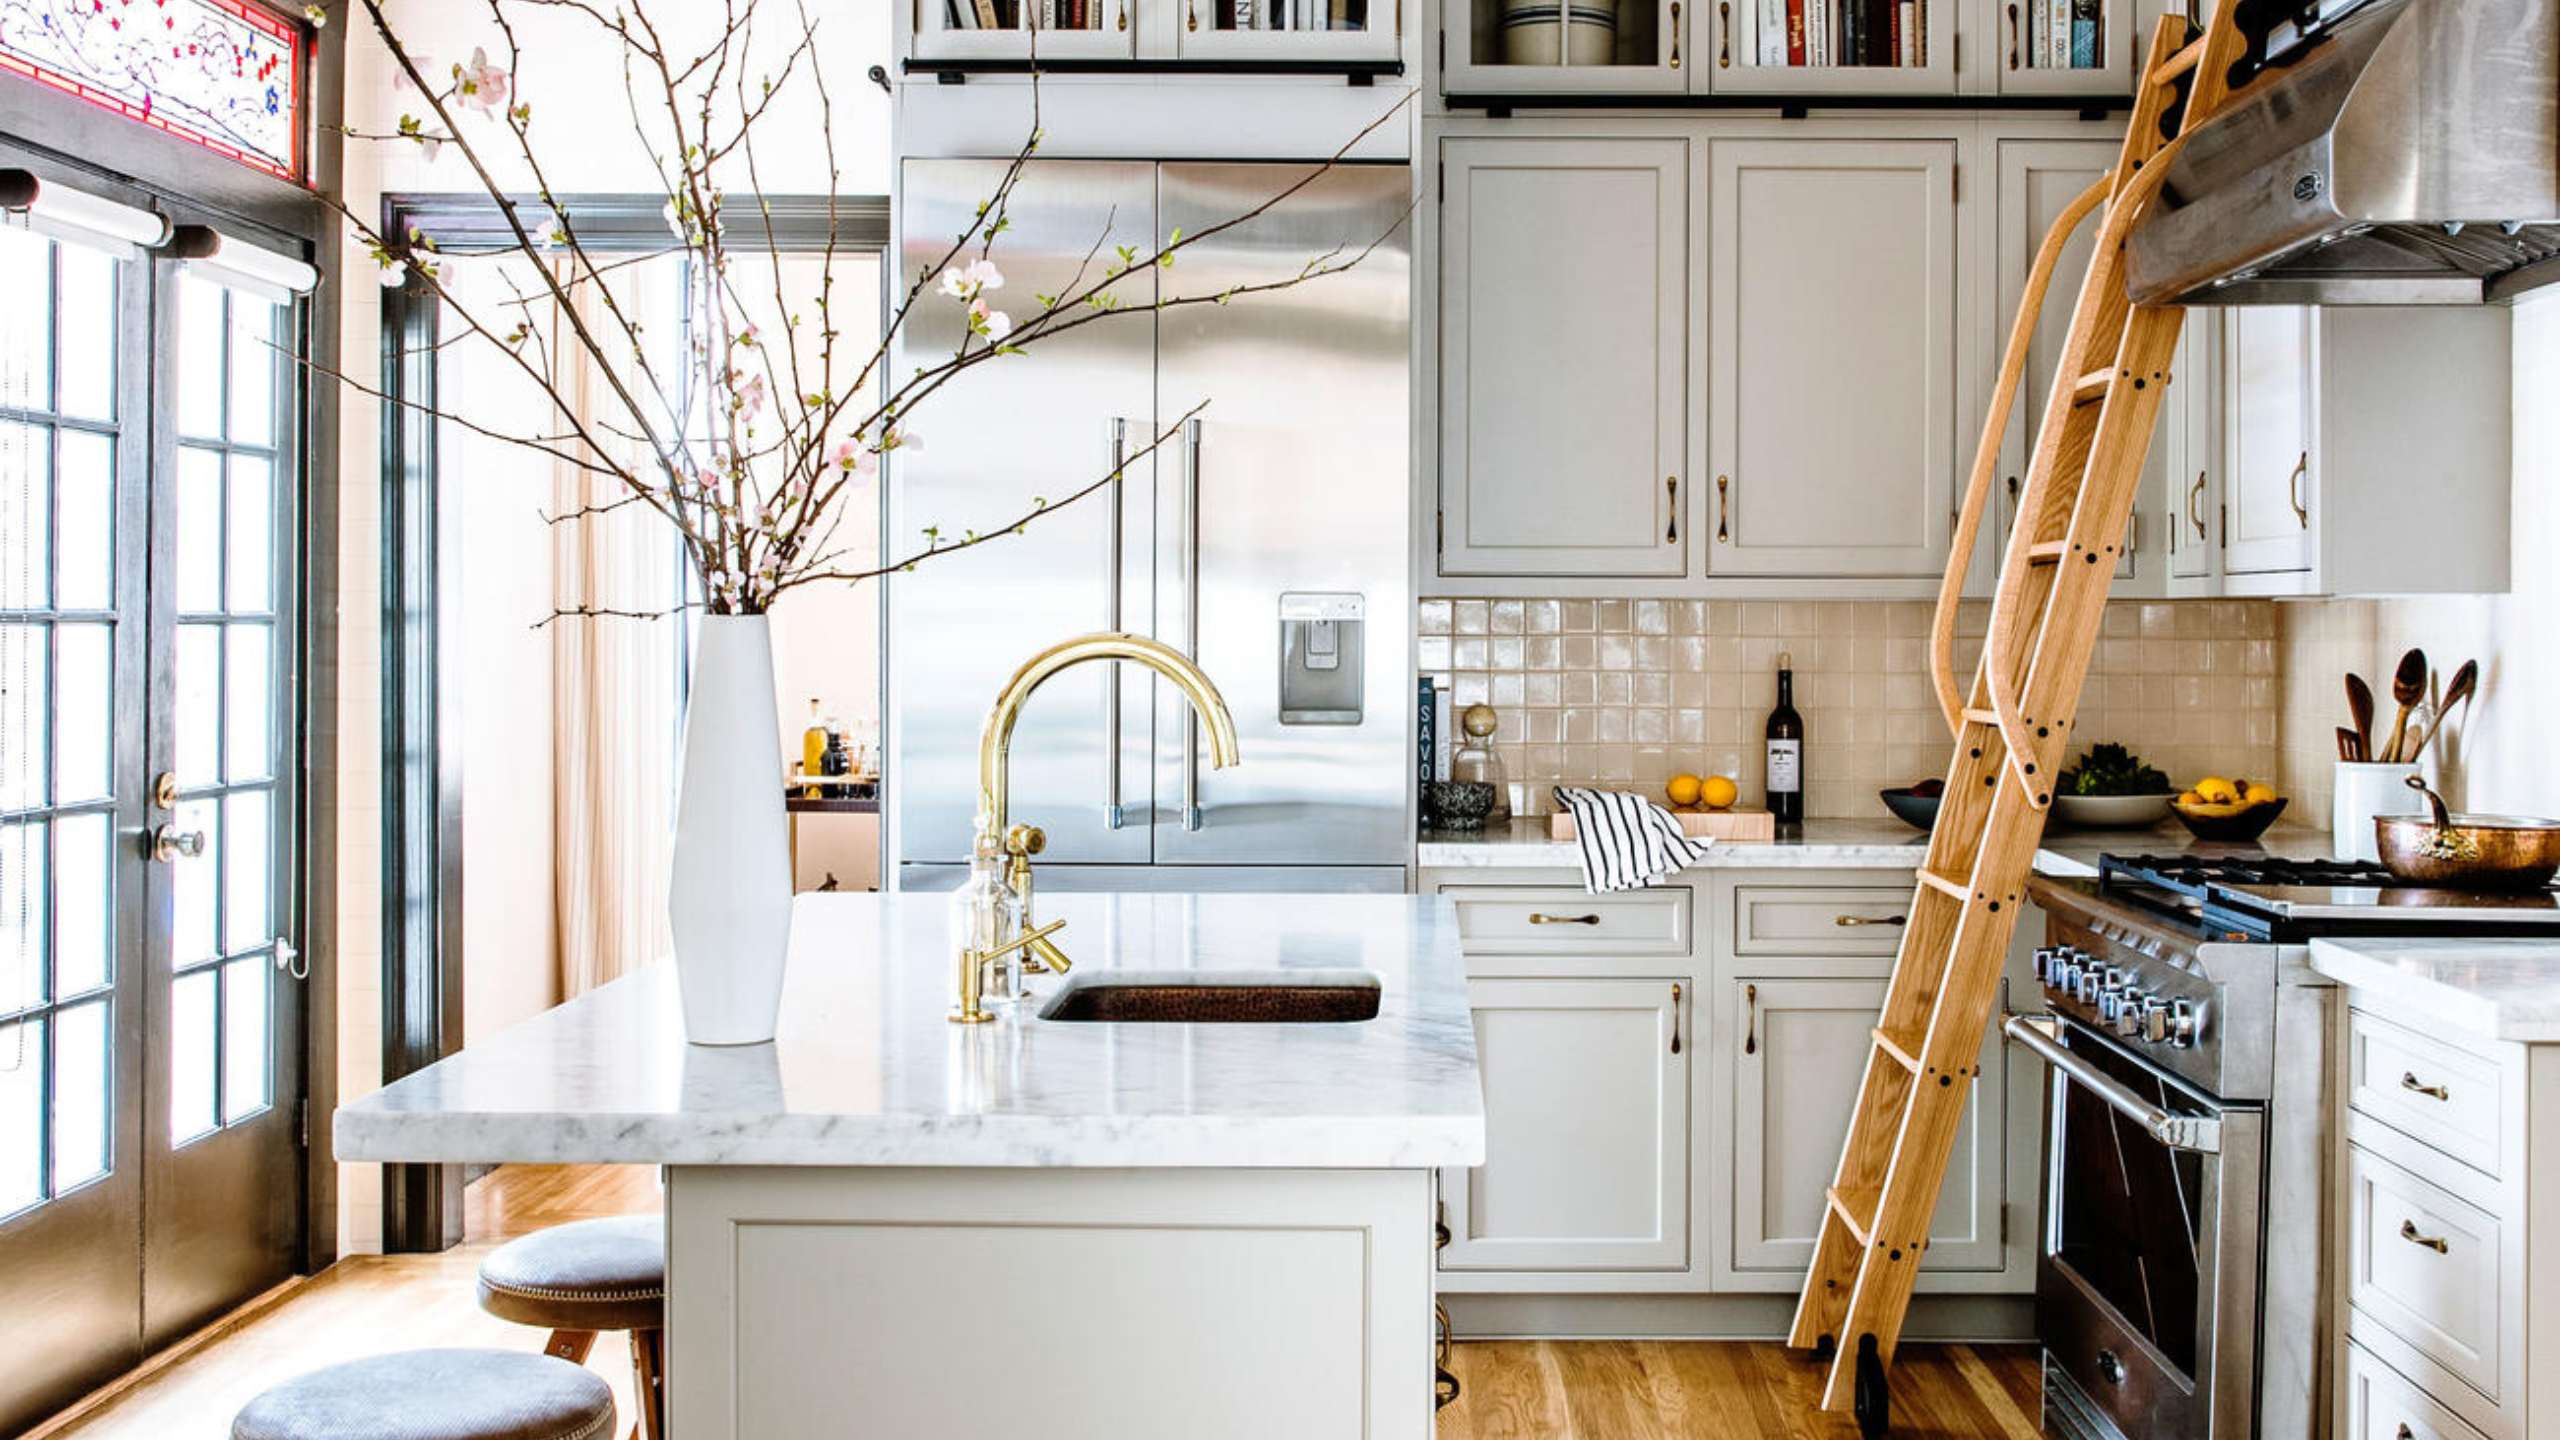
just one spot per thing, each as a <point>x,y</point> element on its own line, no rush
<point>2010,732</point>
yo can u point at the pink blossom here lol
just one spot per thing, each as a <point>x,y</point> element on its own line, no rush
<point>994,324</point>
<point>968,281</point>
<point>481,84</point>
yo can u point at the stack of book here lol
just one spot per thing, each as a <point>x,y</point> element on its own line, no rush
<point>1293,14</point>
<point>2058,34</point>
<point>1802,33</point>
<point>1016,14</point>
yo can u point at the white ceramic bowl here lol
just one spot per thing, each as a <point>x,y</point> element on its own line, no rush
<point>2111,812</point>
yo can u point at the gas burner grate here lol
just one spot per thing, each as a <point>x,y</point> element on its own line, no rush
<point>2189,874</point>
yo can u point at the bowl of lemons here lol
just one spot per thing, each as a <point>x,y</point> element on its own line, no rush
<point>2228,811</point>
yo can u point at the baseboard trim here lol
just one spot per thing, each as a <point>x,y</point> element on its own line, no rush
<point>1985,1318</point>
<point>97,1402</point>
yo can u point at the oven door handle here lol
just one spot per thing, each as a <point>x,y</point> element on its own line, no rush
<point>2038,1035</point>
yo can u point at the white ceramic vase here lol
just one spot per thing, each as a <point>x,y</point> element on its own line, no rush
<point>729,898</point>
<point>2360,792</point>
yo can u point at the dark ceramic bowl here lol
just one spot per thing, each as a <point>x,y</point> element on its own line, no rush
<point>1460,804</point>
<point>2237,829</point>
<point>1918,811</point>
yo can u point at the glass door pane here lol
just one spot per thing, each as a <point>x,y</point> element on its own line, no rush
<point>73,441</point>
<point>1571,46</point>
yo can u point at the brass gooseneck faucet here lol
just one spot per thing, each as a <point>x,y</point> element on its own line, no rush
<point>994,937</point>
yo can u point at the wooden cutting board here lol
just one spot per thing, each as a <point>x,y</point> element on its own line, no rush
<point>1734,825</point>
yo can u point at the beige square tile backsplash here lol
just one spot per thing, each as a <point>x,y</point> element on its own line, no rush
<point>1632,692</point>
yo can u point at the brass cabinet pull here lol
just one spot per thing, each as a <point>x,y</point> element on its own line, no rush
<point>1750,1019</point>
<point>2195,505</point>
<point>2013,35</point>
<point>1675,34</point>
<point>1675,1018</point>
<point>1540,917</point>
<point>1191,13</point>
<point>2410,1083</point>
<point>1724,42</point>
<point>1846,921</point>
<point>2409,1232</point>
<point>1124,14</point>
<point>1724,508</point>
<point>2293,490</point>
<point>2404,1432</point>
<point>1671,485</point>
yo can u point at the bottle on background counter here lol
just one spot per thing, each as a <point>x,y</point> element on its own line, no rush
<point>813,742</point>
<point>1786,750</point>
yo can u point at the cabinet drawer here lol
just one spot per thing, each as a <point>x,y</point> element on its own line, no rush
<point>2382,1406</point>
<point>2436,1094</point>
<point>1537,920</point>
<point>2425,1266</point>
<point>1819,920</point>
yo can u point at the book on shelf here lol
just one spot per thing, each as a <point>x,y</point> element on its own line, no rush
<point>1773,32</point>
<point>1444,730</point>
<point>1426,742</point>
<point>2086,45</point>
<point>1798,48</point>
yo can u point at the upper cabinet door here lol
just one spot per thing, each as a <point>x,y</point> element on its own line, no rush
<point>1827,47</point>
<point>1564,321</point>
<point>1504,47</point>
<point>2062,47</point>
<point>1832,362</point>
<point>2038,181</point>
<point>1002,29</point>
<point>2269,359</point>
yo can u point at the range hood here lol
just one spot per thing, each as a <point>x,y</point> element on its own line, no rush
<point>2386,152</point>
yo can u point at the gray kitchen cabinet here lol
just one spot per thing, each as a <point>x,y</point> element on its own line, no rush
<point>1832,357</point>
<point>2038,178</point>
<point>1586,1090</point>
<point>1794,1048</point>
<point>1563,356</point>
<point>2368,449</point>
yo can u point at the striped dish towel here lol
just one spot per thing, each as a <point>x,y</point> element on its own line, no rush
<point>1628,842</point>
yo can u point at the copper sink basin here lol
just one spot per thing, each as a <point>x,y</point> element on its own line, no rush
<point>1187,997</point>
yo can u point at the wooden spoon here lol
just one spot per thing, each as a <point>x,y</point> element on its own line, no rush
<point>2408,687</point>
<point>2465,680</point>
<point>2360,710</point>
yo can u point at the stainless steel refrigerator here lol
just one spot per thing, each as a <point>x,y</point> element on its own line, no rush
<point>1269,540</point>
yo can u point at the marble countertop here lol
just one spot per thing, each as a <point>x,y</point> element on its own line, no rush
<point>867,1072</point>
<point>2497,989</point>
<point>1883,844</point>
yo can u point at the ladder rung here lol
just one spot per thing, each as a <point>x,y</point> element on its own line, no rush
<point>1982,717</point>
<point>1945,886</point>
<point>2092,386</point>
<point>1857,1210</point>
<point>2048,552</point>
<point>1905,1049</point>
<point>2179,64</point>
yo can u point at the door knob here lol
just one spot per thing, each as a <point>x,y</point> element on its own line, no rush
<point>169,844</point>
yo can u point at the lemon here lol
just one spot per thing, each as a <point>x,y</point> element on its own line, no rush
<point>1718,792</point>
<point>2190,800</point>
<point>1683,789</point>
<point>2216,790</point>
<point>2259,794</point>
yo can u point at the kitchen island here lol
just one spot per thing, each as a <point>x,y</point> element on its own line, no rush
<point>883,1223</point>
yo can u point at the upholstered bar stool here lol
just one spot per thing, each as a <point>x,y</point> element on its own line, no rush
<point>578,1279</point>
<point>436,1395</point>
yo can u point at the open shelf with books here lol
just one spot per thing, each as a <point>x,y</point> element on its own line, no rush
<point>1159,36</point>
<point>2062,47</point>
<point>1290,29</point>
<point>1863,47</point>
<point>1005,29</point>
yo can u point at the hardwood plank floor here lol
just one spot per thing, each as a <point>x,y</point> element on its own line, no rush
<point>1512,1389</point>
<point>367,1304</point>
<point>1695,1390</point>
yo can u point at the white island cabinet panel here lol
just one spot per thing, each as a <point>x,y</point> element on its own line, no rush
<point>1587,1166</point>
<point>1563,356</point>
<point>1833,358</point>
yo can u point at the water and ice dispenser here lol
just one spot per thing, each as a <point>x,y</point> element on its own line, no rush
<point>1320,669</point>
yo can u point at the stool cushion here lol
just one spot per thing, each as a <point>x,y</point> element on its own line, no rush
<point>436,1395</point>
<point>590,1275</point>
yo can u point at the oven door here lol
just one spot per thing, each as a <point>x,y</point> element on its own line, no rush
<point>2147,1285</point>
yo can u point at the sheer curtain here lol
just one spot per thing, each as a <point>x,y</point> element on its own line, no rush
<point>614,686</point>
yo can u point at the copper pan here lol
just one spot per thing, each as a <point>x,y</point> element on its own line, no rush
<point>2468,852</point>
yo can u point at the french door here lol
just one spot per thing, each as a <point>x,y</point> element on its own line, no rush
<point>150,1016</point>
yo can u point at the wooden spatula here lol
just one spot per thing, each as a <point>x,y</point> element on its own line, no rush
<point>2408,687</point>
<point>2360,710</point>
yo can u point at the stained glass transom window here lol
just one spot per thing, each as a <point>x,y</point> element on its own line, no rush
<point>225,74</point>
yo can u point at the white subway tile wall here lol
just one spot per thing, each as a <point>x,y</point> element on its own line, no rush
<point>1632,692</point>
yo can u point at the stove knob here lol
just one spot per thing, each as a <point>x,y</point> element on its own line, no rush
<point>2155,1021</point>
<point>2183,1023</point>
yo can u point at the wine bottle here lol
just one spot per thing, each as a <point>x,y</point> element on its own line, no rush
<point>1786,750</point>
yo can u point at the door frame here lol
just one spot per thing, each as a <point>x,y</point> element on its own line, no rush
<point>422,812</point>
<point>86,147</point>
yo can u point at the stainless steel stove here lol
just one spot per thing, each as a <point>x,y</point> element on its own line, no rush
<point>2182,1287</point>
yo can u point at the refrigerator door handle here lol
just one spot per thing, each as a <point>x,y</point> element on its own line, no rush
<point>1114,814</point>
<point>1191,819</point>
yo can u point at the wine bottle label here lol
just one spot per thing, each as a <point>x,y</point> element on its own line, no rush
<point>1786,766</point>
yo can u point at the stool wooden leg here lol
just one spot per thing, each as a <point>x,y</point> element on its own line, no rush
<point>570,1345</point>
<point>648,1374</point>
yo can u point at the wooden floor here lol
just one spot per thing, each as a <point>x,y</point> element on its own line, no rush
<point>1513,1390</point>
